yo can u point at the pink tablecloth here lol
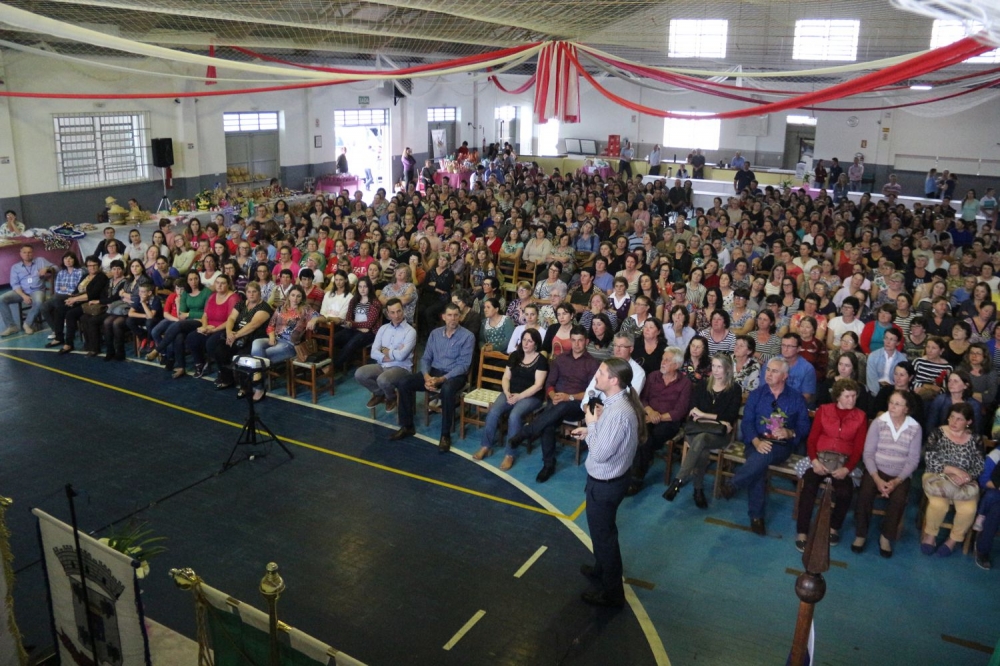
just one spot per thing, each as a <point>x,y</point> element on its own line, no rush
<point>603,172</point>
<point>455,180</point>
<point>11,254</point>
<point>334,184</point>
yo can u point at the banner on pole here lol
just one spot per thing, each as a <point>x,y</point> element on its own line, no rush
<point>112,593</point>
<point>11,649</point>
<point>440,143</point>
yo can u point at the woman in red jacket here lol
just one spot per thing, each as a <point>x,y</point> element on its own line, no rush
<point>836,444</point>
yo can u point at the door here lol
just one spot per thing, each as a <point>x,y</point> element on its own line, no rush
<point>441,138</point>
<point>799,142</point>
<point>255,154</point>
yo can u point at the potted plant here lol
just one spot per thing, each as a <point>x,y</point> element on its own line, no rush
<point>134,539</point>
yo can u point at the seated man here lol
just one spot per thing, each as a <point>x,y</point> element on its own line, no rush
<point>775,423</point>
<point>392,357</point>
<point>27,284</point>
<point>564,387</point>
<point>801,373</point>
<point>444,367</point>
<point>666,398</point>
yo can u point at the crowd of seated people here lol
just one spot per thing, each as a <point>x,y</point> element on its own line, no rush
<point>851,333</point>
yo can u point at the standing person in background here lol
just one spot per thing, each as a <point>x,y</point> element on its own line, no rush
<point>835,171</point>
<point>697,164</point>
<point>625,159</point>
<point>654,160</point>
<point>409,166</point>
<point>855,173</point>
<point>613,432</point>
<point>930,185</point>
<point>342,162</point>
<point>821,174</point>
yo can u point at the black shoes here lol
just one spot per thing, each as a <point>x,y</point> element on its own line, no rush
<point>671,492</point>
<point>887,552</point>
<point>800,545</point>
<point>757,526</point>
<point>727,491</point>
<point>517,440</point>
<point>982,561</point>
<point>699,498</point>
<point>402,433</point>
<point>633,488</point>
<point>199,370</point>
<point>544,475</point>
<point>444,444</point>
<point>602,599</point>
<point>858,547</point>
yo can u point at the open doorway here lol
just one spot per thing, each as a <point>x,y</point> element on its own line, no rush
<point>365,135</point>
<point>800,141</point>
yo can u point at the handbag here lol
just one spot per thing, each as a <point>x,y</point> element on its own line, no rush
<point>831,460</point>
<point>94,309</point>
<point>692,428</point>
<point>940,484</point>
<point>305,349</point>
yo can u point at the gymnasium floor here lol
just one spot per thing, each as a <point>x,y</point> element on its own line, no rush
<point>389,548</point>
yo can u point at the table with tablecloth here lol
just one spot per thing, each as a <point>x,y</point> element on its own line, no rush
<point>333,184</point>
<point>10,254</point>
<point>605,172</point>
<point>454,180</point>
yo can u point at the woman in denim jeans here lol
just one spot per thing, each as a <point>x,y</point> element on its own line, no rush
<point>288,327</point>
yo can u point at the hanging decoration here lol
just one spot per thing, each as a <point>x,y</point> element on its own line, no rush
<point>557,89</point>
<point>210,70</point>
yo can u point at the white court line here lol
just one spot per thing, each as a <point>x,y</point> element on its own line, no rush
<point>531,560</point>
<point>465,629</point>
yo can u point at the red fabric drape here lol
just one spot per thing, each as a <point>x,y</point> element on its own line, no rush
<point>940,58</point>
<point>210,72</point>
<point>557,89</point>
<point>516,91</point>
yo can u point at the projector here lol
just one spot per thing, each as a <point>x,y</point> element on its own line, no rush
<point>251,363</point>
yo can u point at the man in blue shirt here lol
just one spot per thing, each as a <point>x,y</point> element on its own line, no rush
<point>801,373</point>
<point>27,284</point>
<point>392,357</point>
<point>443,367</point>
<point>770,437</point>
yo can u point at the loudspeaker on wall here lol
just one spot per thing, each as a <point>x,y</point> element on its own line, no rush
<point>163,153</point>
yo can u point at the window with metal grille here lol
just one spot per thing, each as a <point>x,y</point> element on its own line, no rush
<point>945,32</point>
<point>360,117</point>
<point>441,114</point>
<point>102,148</point>
<point>250,121</point>
<point>825,39</point>
<point>698,38</point>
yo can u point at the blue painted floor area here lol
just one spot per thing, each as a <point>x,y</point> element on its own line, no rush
<point>382,565</point>
<point>721,595</point>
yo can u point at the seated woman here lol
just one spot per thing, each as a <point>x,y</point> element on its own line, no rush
<point>849,344</point>
<point>92,324</point>
<point>930,368</point>
<point>402,288</point>
<point>847,368</point>
<point>67,283</point>
<point>335,304</point>
<point>697,361</point>
<point>246,323</point>
<point>146,312</point>
<point>599,304</point>
<point>202,342</point>
<point>902,381</point>
<point>557,336</point>
<point>497,328</point>
<point>649,345</point>
<point>953,462</point>
<point>358,329</point>
<point>835,446</point>
<point>436,292</point>
<point>210,270</point>
<point>116,322</point>
<point>523,380</point>
<point>287,328</point>
<point>163,275</point>
<point>980,368</point>
<point>892,453</point>
<point>812,349</point>
<point>642,310</point>
<point>190,310</point>
<point>746,369</point>
<point>89,290</point>
<point>958,389</point>
<point>531,321</point>
<point>715,408</point>
<point>515,309</point>
<point>600,338</point>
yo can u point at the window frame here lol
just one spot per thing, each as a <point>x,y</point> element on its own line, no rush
<point>814,39</point>
<point>940,36</point>
<point>682,30</point>
<point>101,147</point>
<point>360,117</point>
<point>685,127</point>
<point>442,114</point>
<point>250,121</point>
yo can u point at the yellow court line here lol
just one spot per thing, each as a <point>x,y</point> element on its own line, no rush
<point>576,514</point>
<point>465,629</point>
<point>344,456</point>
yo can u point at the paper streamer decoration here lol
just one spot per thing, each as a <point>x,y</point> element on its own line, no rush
<point>112,592</point>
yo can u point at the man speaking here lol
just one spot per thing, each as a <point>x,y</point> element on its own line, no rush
<point>613,432</point>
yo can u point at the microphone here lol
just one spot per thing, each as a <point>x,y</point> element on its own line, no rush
<point>593,401</point>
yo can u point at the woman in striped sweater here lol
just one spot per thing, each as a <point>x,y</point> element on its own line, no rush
<point>892,453</point>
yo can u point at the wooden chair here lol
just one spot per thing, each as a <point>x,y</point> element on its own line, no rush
<point>507,271</point>
<point>566,438</point>
<point>323,334</point>
<point>477,402</point>
<point>311,373</point>
<point>681,442</point>
<point>732,455</point>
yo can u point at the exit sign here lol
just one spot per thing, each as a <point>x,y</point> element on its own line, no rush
<point>363,99</point>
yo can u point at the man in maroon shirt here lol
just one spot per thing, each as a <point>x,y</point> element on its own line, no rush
<point>666,397</point>
<point>568,377</point>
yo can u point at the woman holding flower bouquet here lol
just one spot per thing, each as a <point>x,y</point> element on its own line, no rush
<point>835,446</point>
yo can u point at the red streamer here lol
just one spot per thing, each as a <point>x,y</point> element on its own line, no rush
<point>940,58</point>
<point>210,72</point>
<point>516,91</point>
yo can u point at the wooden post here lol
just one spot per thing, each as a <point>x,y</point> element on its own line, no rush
<point>810,586</point>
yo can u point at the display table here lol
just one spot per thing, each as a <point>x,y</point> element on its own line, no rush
<point>335,183</point>
<point>454,180</point>
<point>10,254</point>
<point>604,172</point>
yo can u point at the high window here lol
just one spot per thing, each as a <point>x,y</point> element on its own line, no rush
<point>945,32</point>
<point>826,40</point>
<point>698,38</point>
<point>102,148</point>
<point>441,114</point>
<point>250,121</point>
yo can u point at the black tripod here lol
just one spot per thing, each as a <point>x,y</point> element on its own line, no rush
<point>165,203</point>
<point>254,429</point>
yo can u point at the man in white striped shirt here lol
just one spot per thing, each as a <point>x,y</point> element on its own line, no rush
<point>613,432</point>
